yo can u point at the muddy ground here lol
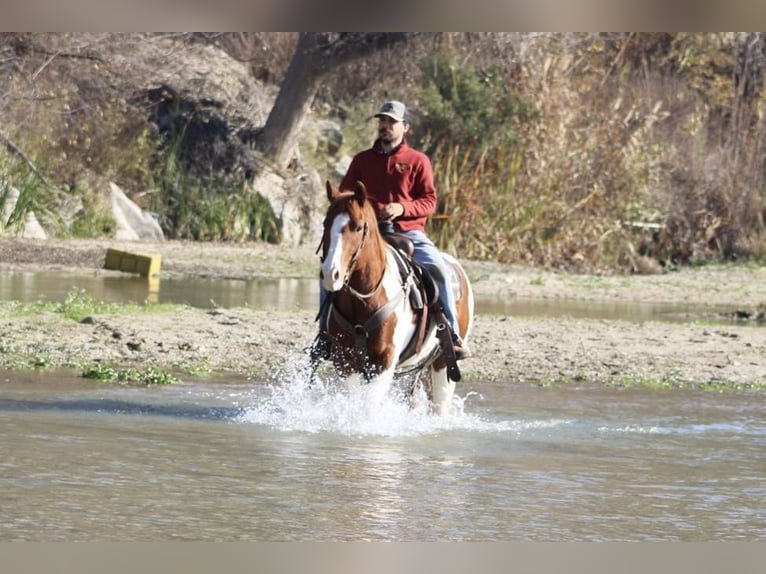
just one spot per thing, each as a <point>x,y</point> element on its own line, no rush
<point>722,342</point>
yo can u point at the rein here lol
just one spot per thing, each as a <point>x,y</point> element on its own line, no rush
<point>361,332</point>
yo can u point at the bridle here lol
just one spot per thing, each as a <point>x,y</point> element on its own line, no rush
<point>361,332</point>
<point>352,263</point>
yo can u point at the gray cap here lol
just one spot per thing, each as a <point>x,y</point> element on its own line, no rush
<point>394,110</point>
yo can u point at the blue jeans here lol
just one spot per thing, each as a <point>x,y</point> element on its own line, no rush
<point>429,257</point>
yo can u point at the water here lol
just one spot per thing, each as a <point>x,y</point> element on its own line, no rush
<point>274,293</point>
<point>287,293</point>
<point>279,461</point>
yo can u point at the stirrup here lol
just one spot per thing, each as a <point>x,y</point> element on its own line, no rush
<point>445,336</point>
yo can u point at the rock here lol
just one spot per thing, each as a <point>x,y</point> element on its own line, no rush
<point>330,138</point>
<point>133,223</point>
<point>297,204</point>
<point>341,167</point>
<point>32,228</point>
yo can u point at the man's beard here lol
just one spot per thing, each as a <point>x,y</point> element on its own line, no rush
<point>385,136</point>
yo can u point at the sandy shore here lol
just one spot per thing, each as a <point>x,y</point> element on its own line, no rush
<point>706,350</point>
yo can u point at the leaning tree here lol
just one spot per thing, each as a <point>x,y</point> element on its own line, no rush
<point>316,55</point>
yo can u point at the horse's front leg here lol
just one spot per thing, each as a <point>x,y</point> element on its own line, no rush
<point>442,391</point>
<point>372,390</point>
<point>377,373</point>
<point>377,388</point>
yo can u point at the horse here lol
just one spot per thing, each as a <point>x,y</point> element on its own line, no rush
<point>378,329</point>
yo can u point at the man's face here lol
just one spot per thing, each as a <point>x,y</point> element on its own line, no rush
<point>389,130</point>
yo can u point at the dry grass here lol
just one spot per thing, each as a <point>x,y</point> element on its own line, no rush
<point>646,150</point>
<point>629,168</point>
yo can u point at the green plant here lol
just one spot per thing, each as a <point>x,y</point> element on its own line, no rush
<point>466,103</point>
<point>78,304</point>
<point>148,376</point>
<point>635,168</point>
<point>207,206</point>
<point>22,193</point>
<point>100,372</point>
<point>95,218</point>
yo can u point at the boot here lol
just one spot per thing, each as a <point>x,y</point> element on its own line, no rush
<point>461,348</point>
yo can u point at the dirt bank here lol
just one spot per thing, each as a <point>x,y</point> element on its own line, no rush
<point>244,341</point>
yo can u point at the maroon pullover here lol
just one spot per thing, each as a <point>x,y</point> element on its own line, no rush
<point>404,176</point>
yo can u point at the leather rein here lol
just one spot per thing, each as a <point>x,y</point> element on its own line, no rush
<point>361,332</point>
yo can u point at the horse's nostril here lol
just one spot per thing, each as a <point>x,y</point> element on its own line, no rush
<point>336,275</point>
<point>321,274</point>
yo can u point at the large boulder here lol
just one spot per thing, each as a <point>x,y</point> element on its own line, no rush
<point>297,203</point>
<point>219,106</point>
<point>133,224</point>
<point>186,98</point>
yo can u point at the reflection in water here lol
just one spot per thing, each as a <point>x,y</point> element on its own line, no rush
<point>294,293</point>
<point>261,293</point>
<point>153,290</point>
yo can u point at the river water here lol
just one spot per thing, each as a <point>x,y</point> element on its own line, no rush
<point>278,460</point>
<point>285,293</point>
<point>281,461</point>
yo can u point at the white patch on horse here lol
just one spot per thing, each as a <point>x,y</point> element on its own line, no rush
<point>392,285</point>
<point>332,266</point>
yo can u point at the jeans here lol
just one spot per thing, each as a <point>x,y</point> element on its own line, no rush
<point>430,258</point>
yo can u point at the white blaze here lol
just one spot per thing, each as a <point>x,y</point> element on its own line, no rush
<point>332,267</point>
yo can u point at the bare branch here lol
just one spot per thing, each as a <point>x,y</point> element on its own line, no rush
<point>16,151</point>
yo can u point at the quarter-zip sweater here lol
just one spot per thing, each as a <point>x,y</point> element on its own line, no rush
<point>403,176</point>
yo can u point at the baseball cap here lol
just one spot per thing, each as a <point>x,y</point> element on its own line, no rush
<point>395,110</point>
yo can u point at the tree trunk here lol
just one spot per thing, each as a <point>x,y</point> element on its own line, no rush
<point>316,55</point>
<point>293,102</point>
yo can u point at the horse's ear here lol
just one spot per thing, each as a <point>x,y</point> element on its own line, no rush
<point>360,193</point>
<point>332,192</point>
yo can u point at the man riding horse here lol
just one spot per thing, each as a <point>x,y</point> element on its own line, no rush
<point>400,184</point>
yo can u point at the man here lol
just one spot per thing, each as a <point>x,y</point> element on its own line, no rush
<point>400,184</point>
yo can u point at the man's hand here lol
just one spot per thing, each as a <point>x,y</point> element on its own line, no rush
<point>391,211</point>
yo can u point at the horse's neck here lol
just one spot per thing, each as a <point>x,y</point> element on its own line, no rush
<point>371,267</point>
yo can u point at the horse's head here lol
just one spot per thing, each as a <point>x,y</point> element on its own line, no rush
<point>349,226</point>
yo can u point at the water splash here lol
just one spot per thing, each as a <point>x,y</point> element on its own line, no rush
<point>292,403</point>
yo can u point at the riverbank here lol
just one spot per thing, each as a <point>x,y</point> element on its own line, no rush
<point>703,352</point>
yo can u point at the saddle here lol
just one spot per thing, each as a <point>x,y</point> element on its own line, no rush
<point>424,298</point>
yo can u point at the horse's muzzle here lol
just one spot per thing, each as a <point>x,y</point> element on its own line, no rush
<point>331,278</point>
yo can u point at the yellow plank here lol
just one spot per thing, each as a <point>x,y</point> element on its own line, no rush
<point>145,264</point>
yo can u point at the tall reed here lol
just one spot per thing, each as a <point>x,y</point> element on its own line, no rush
<point>31,196</point>
<point>635,170</point>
